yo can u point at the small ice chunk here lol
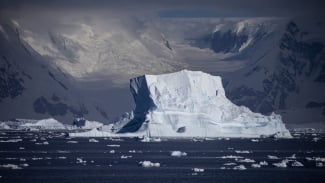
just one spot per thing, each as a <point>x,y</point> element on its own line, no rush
<point>11,140</point>
<point>231,157</point>
<point>178,153</point>
<point>62,157</point>
<point>197,170</point>
<point>254,140</point>
<point>297,164</point>
<point>11,166</point>
<point>113,145</point>
<point>22,159</point>
<point>72,142</point>
<point>239,167</point>
<point>21,148</point>
<point>93,140</point>
<point>148,164</point>
<point>246,160</point>
<point>272,157</point>
<point>80,160</point>
<point>292,156</point>
<point>24,165</point>
<point>281,164</point>
<point>320,164</point>
<point>112,151</point>
<point>125,157</point>
<point>256,165</point>
<point>37,158</point>
<point>229,164</point>
<point>263,163</point>
<point>242,152</point>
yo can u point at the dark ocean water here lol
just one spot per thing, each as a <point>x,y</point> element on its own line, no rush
<point>52,157</point>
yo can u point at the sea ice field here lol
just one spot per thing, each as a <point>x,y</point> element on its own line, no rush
<point>51,156</point>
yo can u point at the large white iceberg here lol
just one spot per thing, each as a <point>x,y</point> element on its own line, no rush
<point>192,104</point>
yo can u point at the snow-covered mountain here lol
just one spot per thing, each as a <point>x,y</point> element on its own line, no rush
<point>285,72</point>
<point>32,88</point>
<point>82,67</point>
<point>190,104</point>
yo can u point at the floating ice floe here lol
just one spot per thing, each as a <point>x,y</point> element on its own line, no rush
<point>246,160</point>
<point>229,164</point>
<point>198,170</point>
<point>62,157</point>
<point>42,143</point>
<point>44,124</point>
<point>264,163</point>
<point>254,165</point>
<point>22,159</point>
<point>80,160</point>
<point>36,158</point>
<point>148,164</point>
<point>254,140</point>
<point>320,164</point>
<point>316,139</point>
<point>61,151</point>
<point>125,157</point>
<point>11,166</point>
<point>317,159</point>
<point>72,142</point>
<point>292,156</point>
<point>21,148</point>
<point>12,140</point>
<point>281,164</point>
<point>113,145</point>
<point>272,157</point>
<point>239,167</point>
<point>231,157</point>
<point>242,152</point>
<point>93,140</point>
<point>112,151</point>
<point>24,165</point>
<point>297,164</point>
<point>178,153</point>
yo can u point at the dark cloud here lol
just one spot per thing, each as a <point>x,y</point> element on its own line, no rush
<point>185,8</point>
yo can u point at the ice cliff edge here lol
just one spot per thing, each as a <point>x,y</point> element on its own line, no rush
<point>192,104</point>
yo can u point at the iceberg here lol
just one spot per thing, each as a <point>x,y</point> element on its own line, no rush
<point>45,124</point>
<point>190,104</point>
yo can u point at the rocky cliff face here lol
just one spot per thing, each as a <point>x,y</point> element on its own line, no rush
<point>291,82</point>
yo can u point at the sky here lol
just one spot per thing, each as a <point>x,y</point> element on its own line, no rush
<point>172,8</point>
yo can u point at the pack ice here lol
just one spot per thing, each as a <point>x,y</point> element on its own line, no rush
<point>191,104</point>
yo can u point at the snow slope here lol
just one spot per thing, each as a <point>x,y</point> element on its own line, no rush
<point>192,104</point>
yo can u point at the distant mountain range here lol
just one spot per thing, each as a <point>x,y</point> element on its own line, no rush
<point>267,64</point>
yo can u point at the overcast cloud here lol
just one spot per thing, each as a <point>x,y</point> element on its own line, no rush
<point>184,7</point>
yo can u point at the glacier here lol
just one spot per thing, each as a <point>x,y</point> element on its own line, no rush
<point>188,104</point>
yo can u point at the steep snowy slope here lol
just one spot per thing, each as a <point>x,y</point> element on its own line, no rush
<point>190,104</point>
<point>288,77</point>
<point>89,52</point>
<point>32,88</point>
